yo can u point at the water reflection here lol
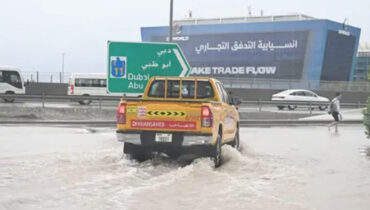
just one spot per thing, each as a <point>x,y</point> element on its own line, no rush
<point>367,151</point>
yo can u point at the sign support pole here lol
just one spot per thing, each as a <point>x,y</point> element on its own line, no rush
<point>171,17</point>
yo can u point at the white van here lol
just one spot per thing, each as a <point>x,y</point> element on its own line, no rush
<point>11,82</point>
<point>88,84</point>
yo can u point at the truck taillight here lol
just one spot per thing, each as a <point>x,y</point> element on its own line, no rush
<point>72,89</point>
<point>207,118</point>
<point>121,114</point>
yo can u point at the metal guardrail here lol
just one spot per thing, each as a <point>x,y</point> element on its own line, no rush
<point>100,99</point>
<point>61,122</point>
<point>44,98</point>
<point>309,104</point>
<point>243,123</point>
<point>55,97</point>
<point>258,123</point>
<point>236,82</point>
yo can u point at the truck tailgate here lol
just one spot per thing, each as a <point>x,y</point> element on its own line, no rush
<point>163,116</point>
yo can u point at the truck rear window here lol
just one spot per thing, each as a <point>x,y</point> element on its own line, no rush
<point>187,91</point>
<point>205,90</point>
<point>173,88</point>
<point>188,88</point>
<point>157,89</point>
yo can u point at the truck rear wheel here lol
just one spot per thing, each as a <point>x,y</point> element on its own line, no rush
<point>217,156</point>
<point>135,152</point>
<point>140,157</point>
<point>236,142</point>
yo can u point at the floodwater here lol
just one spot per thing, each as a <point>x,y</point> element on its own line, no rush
<point>277,168</point>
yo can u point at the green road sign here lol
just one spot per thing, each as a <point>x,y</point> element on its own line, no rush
<point>131,65</point>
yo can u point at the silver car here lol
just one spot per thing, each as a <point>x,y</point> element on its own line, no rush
<point>299,95</point>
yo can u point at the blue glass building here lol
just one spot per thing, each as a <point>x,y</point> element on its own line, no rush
<point>293,47</point>
<point>362,67</point>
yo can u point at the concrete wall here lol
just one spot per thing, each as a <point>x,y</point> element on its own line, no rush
<point>59,89</point>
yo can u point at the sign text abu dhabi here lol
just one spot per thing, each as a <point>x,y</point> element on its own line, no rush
<point>132,64</point>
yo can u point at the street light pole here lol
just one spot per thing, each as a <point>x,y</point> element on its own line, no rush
<point>62,77</point>
<point>171,15</point>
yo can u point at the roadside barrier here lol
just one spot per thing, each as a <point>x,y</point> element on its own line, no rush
<point>100,99</point>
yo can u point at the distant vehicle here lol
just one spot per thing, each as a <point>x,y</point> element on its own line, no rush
<point>11,82</point>
<point>87,84</point>
<point>179,116</point>
<point>298,95</point>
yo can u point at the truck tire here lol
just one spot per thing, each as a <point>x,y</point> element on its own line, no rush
<point>280,107</point>
<point>322,108</point>
<point>218,154</point>
<point>140,157</point>
<point>134,152</point>
<point>173,155</point>
<point>236,142</point>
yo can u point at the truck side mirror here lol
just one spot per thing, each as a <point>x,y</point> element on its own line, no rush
<point>235,100</point>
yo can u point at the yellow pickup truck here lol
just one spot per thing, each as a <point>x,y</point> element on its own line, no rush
<point>179,116</point>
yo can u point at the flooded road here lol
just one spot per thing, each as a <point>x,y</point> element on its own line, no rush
<point>277,168</point>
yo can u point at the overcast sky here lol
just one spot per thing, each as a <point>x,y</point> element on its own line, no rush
<point>35,33</point>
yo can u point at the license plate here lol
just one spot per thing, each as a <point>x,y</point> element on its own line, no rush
<point>163,137</point>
